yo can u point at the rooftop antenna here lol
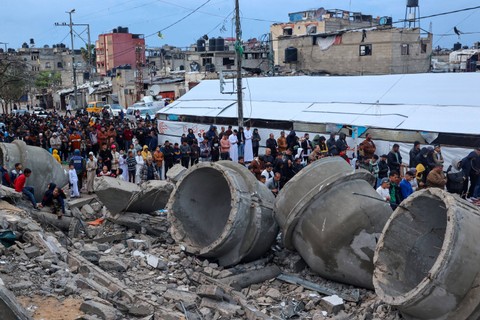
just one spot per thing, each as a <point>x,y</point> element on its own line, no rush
<point>412,14</point>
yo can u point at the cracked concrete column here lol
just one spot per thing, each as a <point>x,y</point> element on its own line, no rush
<point>45,168</point>
<point>427,260</point>
<point>332,216</point>
<point>219,210</point>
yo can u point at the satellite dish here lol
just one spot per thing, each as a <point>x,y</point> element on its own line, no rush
<point>154,90</point>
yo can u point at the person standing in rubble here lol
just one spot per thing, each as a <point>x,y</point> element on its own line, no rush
<point>91,172</point>
<point>78,163</point>
<point>149,171</point>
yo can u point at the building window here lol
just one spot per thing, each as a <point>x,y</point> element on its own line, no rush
<point>405,49</point>
<point>47,65</point>
<point>206,61</point>
<point>288,31</point>
<point>228,61</point>
<point>311,29</point>
<point>366,50</point>
<point>59,65</point>
<point>423,47</point>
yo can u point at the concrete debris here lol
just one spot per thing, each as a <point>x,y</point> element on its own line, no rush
<point>332,304</point>
<point>10,309</point>
<point>175,173</point>
<point>228,219</point>
<point>9,193</point>
<point>426,261</point>
<point>134,270</point>
<point>121,196</point>
<point>333,230</point>
<point>104,310</point>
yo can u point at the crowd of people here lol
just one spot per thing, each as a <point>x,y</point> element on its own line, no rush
<point>116,147</point>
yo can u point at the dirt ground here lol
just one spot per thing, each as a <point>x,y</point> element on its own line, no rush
<point>49,308</point>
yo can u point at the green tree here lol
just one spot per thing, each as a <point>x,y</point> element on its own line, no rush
<point>85,54</point>
<point>45,82</point>
<point>14,79</point>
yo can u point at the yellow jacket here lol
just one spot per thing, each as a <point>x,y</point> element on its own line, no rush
<point>56,156</point>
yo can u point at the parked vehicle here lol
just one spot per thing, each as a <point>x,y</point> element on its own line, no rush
<point>115,109</point>
<point>95,106</point>
<point>142,112</point>
<point>20,112</point>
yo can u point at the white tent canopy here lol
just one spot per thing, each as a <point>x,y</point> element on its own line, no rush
<point>441,103</point>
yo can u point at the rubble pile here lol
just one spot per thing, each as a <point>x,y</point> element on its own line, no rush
<point>123,273</point>
<point>100,261</point>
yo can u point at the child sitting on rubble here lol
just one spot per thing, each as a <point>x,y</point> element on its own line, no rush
<point>54,197</point>
<point>73,180</point>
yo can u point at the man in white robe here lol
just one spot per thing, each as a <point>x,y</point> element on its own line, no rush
<point>248,153</point>
<point>233,146</point>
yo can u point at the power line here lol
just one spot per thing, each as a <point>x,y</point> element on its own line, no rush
<point>180,20</point>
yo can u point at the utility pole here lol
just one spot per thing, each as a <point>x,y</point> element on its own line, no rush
<point>239,53</point>
<point>73,58</point>
<point>5,43</point>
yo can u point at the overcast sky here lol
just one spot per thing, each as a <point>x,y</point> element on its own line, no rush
<point>21,20</point>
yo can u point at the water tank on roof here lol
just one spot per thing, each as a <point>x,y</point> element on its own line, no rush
<point>212,44</point>
<point>24,45</point>
<point>115,30</point>
<point>291,54</point>
<point>412,3</point>
<point>200,45</point>
<point>220,44</point>
<point>457,46</point>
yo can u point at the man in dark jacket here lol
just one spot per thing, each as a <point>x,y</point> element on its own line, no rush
<point>332,147</point>
<point>413,154</point>
<point>383,167</point>
<point>471,169</point>
<point>394,159</point>
<point>271,143</point>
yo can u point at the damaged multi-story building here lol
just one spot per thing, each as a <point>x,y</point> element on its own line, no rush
<point>341,42</point>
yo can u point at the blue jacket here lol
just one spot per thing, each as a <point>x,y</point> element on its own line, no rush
<point>405,188</point>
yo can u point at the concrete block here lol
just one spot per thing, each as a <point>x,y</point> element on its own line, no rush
<point>176,172</point>
<point>31,252</point>
<point>138,244</point>
<point>121,196</point>
<point>211,291</point>
<point>332,304</point>
<point>112,264</point>
<point>141,310</point>
<point>178,295</point>
<point>226,309</point>
<point>87,210</point>
<point>104,311</point>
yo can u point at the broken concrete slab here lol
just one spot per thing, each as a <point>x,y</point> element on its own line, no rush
<point>115,194</point>
<point>178,295</point>
<point>109,263</point>
<point>212,292</point>
<point>9,193</point>
<point>153,196</point>
<point>32,252</point>
<point>121,196</point>
<point>176,172</point>
<point>103,310</point>
<point>226,309</point>
<point>10,309</point>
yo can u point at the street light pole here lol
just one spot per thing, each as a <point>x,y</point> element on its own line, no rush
<point>73,58</point>
<point>239,52</point>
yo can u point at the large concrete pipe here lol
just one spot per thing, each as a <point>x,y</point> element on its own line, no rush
<point>332,216</point>
<point>219,210</point>
<point>427,259</point>
<point>45,168</point>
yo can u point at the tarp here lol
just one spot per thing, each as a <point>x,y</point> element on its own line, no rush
<point>441,103</point>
